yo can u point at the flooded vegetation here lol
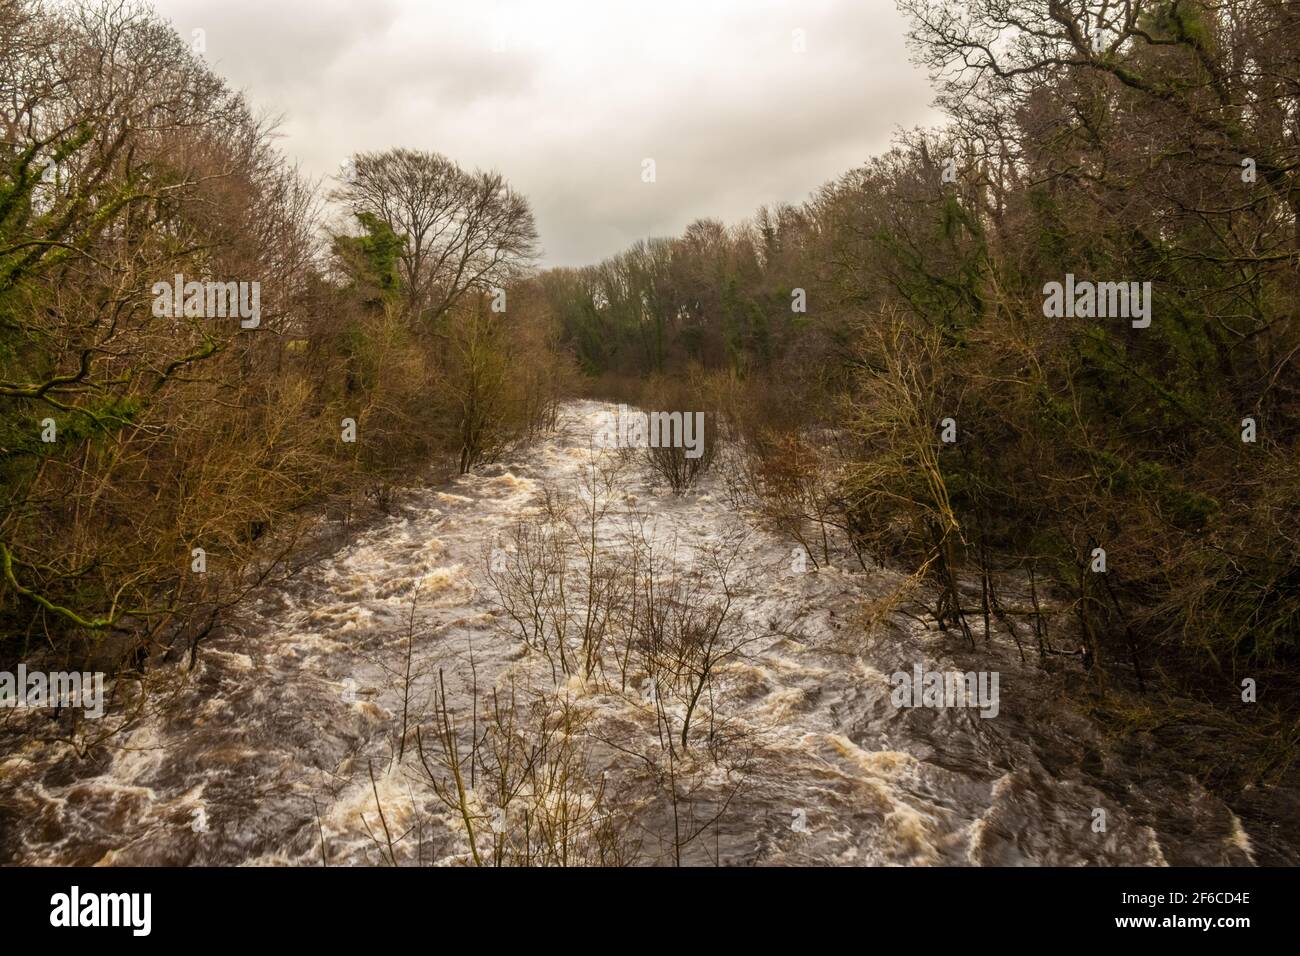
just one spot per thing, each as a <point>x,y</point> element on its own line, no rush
<point>318,726</point>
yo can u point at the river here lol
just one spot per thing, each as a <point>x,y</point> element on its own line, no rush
<point>279,747</point>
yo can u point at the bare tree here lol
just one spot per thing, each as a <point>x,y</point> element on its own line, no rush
<point>461,230</point>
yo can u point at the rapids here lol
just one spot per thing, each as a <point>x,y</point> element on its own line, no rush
<point>268,746</point>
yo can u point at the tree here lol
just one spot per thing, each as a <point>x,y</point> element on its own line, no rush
<point>460,231</point>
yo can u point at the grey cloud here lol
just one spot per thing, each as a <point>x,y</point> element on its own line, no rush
<point>566,99</point>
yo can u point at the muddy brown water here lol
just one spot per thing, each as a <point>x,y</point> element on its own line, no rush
<point>270,741</point>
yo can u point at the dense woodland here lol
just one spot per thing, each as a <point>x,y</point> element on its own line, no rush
<point>1167,152</point>
<point>829,341</point>
<point>126,161</point>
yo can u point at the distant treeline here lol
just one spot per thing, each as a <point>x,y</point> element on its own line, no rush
<point>1156,144</point>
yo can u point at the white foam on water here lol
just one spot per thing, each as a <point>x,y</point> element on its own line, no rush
<point>809,694</point>
<point>1240,839</point>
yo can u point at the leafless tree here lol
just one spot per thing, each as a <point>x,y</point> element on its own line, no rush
<point>461,230</point>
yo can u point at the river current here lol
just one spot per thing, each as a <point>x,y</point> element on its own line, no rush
<point>279,746</point>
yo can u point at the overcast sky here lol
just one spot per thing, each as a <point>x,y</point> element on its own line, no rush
<point>567,97</point>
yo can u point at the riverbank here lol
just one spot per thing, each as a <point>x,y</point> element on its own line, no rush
<point>292,741</point>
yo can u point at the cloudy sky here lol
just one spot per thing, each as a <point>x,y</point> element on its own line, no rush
<point>568,97</point>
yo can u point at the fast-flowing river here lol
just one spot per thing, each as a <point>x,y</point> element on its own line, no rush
<point>279,746</point>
